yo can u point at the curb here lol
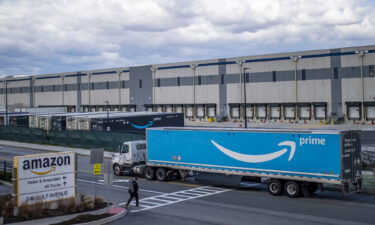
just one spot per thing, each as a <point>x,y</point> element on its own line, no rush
<point>107,219</point>
<point>6,183</point>
<point>58,219</point>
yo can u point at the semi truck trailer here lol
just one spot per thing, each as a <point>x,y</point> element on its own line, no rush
<point>293,162</point>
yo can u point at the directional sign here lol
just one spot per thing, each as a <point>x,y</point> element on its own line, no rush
<point>97,169</point>
<point>46,183</point>
<point>45,177</point>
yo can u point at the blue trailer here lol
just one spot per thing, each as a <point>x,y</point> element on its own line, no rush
<point>291,161</point>
<point>294,161</point>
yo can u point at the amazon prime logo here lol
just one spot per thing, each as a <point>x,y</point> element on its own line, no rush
<point>312,141</point>
<point>259,158</point>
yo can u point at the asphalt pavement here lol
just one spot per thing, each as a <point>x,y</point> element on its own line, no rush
<point>188,202</point>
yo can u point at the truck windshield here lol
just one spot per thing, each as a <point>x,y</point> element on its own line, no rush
<point>124,148</point>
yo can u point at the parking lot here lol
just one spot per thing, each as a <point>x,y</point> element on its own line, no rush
<point>189,202</point>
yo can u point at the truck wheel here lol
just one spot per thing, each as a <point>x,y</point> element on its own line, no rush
<point>161,174</point>
<point>117,170</point>
<point>292,189</point>
<point>149,173</point>
<point>275,187</point>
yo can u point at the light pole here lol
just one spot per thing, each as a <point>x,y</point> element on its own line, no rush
<point>6,103</point>
<point>107,109</point>
<point>240,64</point>
<point>362,54</point>
<point>244,94</point>
<point>153,69</point>
<point>193,67</point>
<point>295,60</point>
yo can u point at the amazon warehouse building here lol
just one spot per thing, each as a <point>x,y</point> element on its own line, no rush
<point>297,87</point>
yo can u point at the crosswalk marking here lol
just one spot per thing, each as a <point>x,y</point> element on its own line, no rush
<point>175,197</point>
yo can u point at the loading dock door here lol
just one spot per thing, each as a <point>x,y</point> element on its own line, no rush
<point>179,109</point>
<point>370,112</point>
<point>149,109</point>
<point>249,112</point>
<point>261,112</point>
<point>354,112</point>
<point>235,112</point>
<point>289,112</point>
<point>275,112</point>
<point>189,111</point>
<point>159,108</point>
<point>211,111</point>
<point>304,112</point>
<point>320,112</point>
<point>169,109</point>
<point>200,111</point>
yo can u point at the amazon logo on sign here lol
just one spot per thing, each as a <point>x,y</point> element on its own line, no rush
<point>44,166</point>
<point>258,158</point>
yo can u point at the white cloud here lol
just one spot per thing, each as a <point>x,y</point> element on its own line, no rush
<point>49,36</point>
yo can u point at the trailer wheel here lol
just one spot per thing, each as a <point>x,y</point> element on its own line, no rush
<point>161,174</point>
<point>292,189</point>
<point>117,170</point>
<point>275,187</point>
<point>149,173</point>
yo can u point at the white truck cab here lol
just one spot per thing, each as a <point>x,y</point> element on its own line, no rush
<point>130,155</point>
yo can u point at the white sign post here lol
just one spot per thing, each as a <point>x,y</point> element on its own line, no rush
<point>45,177</point>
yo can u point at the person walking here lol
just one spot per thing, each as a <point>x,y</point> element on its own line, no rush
<point>133,191</point>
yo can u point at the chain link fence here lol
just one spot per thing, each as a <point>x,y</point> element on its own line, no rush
<point>69,138</point>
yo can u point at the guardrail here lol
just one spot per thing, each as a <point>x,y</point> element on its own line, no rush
<point>6,167</point>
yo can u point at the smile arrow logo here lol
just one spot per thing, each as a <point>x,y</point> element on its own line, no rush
<point>258,158</point>
<point>44,173</point>
<point>150,123</point>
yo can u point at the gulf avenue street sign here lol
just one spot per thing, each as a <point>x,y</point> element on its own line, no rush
<point>45,177</point>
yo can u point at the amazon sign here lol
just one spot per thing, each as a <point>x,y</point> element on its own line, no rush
<point>45,177</point>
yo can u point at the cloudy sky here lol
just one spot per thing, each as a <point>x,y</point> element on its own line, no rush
<point>50,36</point>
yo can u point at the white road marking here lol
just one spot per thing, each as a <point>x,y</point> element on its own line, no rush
<point>118,186</point>
<point>176,197</point>
<point>117,181</point>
